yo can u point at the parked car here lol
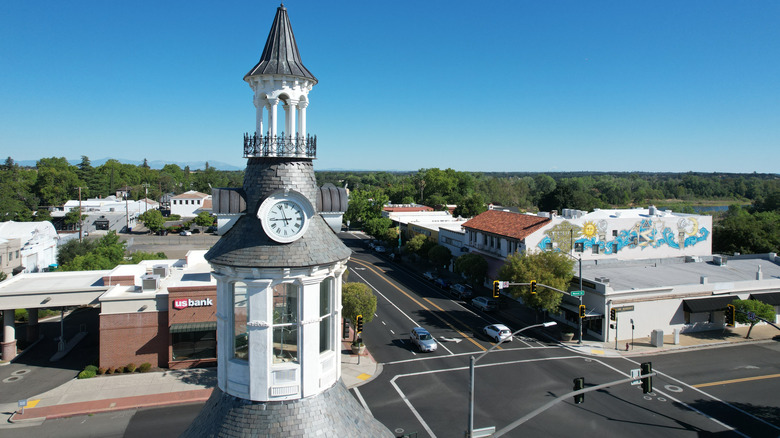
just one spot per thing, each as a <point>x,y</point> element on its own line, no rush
<point>498,333</point>
<point>380,249</point>
<point>162,232</point>
<point>185,233</point>
<point>372,243</point>
<point>422,339</point>
<point>462,291</point>
<point>430,276</point>
<point>211,229</point>
<point>485,304</point>
<point>196,231</point>
<point>442,283</point>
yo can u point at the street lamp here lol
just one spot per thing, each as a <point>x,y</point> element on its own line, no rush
<point>474,360</point>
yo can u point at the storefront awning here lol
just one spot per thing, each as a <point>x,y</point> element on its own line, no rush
<point>575,309</point>
<point>194,327</point>
<point>772,298</point>
<point>708,304</point>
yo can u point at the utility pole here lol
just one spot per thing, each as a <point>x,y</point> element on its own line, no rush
<point>127,213</point>
<point>146,196</point>
<point>81,223</point>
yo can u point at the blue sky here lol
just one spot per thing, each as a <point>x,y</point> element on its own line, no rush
<point>536,86</point>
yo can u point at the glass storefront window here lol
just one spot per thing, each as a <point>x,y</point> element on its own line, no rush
<point>195,345</point>
<point>240,318</point>
<point>326,315</point>
<point>285,323</point>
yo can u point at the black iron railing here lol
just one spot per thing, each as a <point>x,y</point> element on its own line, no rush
<point>280,146</point>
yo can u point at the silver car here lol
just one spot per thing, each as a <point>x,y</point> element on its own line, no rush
<point>422,339</point>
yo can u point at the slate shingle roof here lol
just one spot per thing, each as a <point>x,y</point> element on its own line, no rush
<point>280,55</point>
<point>504,223</point>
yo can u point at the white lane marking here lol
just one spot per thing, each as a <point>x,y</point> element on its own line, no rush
<point>710,396</point>
<point>471,353</point>
<point>392,332</point>
<point>383,323</point>
<point>396,307</point>
<point>414,411</point>
<point>362,401</point>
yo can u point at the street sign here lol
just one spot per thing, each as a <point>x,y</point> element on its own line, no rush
<point>503,284</point>
<point>636,373</point>
<point>22,403</point>
<point>577,293</point>
<point>623,308</point>
<point>483,432</point>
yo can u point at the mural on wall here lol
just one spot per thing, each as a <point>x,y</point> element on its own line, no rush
<point>644,234</point>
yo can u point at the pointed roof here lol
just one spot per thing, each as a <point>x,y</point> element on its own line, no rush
<point>280,55</point>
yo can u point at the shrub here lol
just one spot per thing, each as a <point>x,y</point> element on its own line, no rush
<point>101,371</point>
<point>118,370</point>
<point>130,368</point>
<point>110,370</point>
<point>92,368</point>
<point>86,374</point>
<point>145,367</point>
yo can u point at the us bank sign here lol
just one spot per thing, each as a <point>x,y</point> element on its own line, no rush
<point>184,303</point>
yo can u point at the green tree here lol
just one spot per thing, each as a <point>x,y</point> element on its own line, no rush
<point>471,206</point>
<point>415,244</point>
<point>473,266</point>
<point>72,217</point>
<point>43,215</point>
<point>57,181</point>
<point>377,227</point>
<point>747,233</point>
<point>139,256</point>
<point>204,219</point>
<point>74,248</point>
<point>761,310</point>
<point>440,256</point>
<point>153,220</point>
<point>107,253</point>
<point>357,299</point>
<point>365,205</point>
<point>548,268</point>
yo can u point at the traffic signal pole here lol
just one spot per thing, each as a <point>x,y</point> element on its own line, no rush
<point>554,402</point>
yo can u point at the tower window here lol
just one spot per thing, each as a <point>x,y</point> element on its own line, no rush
<point>285,325</point>
<point>326,316</point>
<point>240,318</point>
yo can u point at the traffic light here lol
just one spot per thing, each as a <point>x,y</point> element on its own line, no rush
<point>496,289</point>
<point>612,315</point>
<point>582,311</point>
<point>731,313</point>
<point>579,383</point>
<point>359,323</point>
<point>647,382</point>
<point>533,286</point>
<point>345,329</point>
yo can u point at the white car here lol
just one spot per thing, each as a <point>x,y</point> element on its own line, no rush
<point>429,276</point>
<point>498,333</point>
<point>185,233</point>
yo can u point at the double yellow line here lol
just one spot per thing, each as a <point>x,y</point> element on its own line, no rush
<point>381,275</point>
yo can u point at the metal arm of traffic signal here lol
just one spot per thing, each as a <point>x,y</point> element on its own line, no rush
<point>554,402</point>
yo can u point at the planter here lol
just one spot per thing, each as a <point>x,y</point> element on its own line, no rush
<point>358,349</point>
<point>567,337</point>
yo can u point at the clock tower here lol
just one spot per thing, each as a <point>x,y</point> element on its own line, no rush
<point>278,269</point>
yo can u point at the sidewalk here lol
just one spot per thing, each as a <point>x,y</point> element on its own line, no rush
<point>164,388</point>
<point>515,315</point>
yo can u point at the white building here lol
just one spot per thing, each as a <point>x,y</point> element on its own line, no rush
<point>37,244</point>
<point>190,203</point>
<point>681,293</point>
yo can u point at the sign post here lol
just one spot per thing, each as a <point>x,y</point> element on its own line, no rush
<point>22,404</point>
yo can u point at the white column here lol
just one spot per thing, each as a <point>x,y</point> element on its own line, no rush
<point>302,118</point>
<point>259,106</point>
<point>290,111</point>
<point>9,336</point>
<point>272,111</point>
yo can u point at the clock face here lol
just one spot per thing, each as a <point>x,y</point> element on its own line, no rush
<point>285,215</point>
<point>285,219</point>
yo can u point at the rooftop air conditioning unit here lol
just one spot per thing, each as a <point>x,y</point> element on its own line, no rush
<point>150,281</point>
<point>161,270</point>
<point>719,260</point>
<point>604,280</point>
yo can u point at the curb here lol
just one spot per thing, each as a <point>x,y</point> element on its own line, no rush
<point>113,405</point>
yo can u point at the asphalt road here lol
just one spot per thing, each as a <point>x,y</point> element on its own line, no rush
<point>428,393</point>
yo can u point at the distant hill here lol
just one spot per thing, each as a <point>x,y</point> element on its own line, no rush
<point>157,164</point>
